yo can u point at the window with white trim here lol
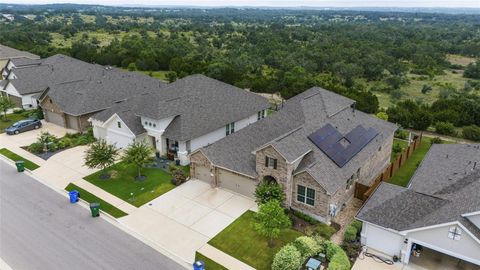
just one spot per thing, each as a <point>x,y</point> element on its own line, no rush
<point>119,124</point>
<point>261,114</point>
<point>305,195</point>
<point>454,233</point>
<point>230,128</point>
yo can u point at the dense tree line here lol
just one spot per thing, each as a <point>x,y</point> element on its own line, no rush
<point>284,51</point>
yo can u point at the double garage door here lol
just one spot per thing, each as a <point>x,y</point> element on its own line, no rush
<point>228,180</point>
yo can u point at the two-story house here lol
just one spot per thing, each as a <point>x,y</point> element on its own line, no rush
<point>181,117</point>
<point>316,146</point>
<point>437,215</point>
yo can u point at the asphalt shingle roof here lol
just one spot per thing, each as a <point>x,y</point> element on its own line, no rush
<point>287,131</point>
<point>441,191</point>
<point>8,53</point>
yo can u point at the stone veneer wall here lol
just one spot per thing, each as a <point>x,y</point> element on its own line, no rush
<point>198,159</point>
<point>47,104</point>
<point>321,204</point>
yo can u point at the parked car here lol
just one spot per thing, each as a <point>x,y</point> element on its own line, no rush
<point>23,125</point>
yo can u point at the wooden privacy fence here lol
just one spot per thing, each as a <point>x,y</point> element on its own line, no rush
<point>362,192</point>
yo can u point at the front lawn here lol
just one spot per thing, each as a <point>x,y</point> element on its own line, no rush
<point>402,176</point>
<point>11,118</point>
<point>89,197</point>
<point>122,183</point>
<point>241,241</point>
<point>9,154</point>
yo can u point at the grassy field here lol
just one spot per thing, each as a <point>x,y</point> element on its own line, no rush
<point>85,195</point>
<point>11,118</point>
<point>241,241</point>
<point>413,89</point>
<point>162,74</point>
<point>402,176</point>
<point>123,184</point>
<point>209,264</point>
<point>10,155</point>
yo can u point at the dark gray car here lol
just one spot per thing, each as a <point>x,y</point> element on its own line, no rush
<point>23,125</point>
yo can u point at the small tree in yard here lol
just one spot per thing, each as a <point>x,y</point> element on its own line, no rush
<point>140,155</point>
<point>270,220</point>
<point>5,104</point>
<point>101,155</point>
<point>267,191</point>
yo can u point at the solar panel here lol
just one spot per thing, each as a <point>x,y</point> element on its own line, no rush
<point>329,140</point>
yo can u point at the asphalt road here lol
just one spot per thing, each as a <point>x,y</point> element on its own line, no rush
<point>40,229</point>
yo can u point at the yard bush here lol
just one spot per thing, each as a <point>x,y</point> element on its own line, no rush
<point>304,217</point>
<point>401,134</point>
<point>436,140</point>
<point>267,191</point>
<point>339,261</point>
<point>307,246</point>
<point>331,249</point>
<point>396,148</point>
<point>324,231</point>
<point>35,147</point>
<point>358,225</point>
<point>287,258</point>
<point>65,142</point>
<point>445,128</point>
<point>350,234</point>
<point>471,133</point>
<point>18,111</point>
<point>85,139</point>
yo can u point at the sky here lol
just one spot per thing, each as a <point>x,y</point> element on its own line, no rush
<point>272,3</point>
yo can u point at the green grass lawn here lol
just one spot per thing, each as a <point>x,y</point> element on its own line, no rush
<point>122,183</point>
<point>9,154</point>
<point>85,195</point>
<point>241,241</point>
<point>403,144</point>
<point>402,176</point>
<point>209,264</point>
<point>11,118</point>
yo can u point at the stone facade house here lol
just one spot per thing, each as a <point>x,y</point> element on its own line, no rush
<point>317,146</point>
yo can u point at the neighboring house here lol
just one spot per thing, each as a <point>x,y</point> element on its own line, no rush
<point>7,54</point>
<point>439,210</point>
<point>27,79</point>
<point>70,104</point>
<point>183,116</point>
<point>316,146</point>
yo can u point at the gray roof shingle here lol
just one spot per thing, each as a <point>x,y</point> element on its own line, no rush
<point>9,53</point>
<point>287,131</point>
<point>441,191</point>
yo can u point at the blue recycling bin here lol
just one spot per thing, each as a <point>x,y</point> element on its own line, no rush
<point>73,196</point>
<point>199,265</point>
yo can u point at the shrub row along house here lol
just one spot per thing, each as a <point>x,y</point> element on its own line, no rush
<point>438,211</point>
<point>316,146</point>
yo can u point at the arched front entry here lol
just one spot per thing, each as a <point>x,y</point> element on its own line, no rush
<point>269,179</point>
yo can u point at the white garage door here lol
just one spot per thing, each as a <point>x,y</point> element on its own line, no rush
<point>203,173</point>
<point>383,241</point>
<point>236,183</point>
<point>117,139</point>
<point>55,118</point>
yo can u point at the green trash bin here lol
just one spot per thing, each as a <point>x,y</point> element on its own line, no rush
<point>20,165</point>
<point>95,209</point>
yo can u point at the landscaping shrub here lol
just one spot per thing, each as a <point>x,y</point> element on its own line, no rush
<point>35,147</point>
<point>85,139</point>
<point>65,143</point>
<point>324,231</point>
<point>267,191</point>
<point>18,111</point>
<point>471,133</point>
<point>287,258</point>
<point>358,225</point>
<point>352,249</point>
<point>436,140</point>
<point>397,148</point>
<point>304,217</point>
<point>307,246</point>
<point>331,249</point>
<point>350,234</point>
<point>72,135</point>
<point>339,261</point>
<point>445,128</point>
<point>401,134</point>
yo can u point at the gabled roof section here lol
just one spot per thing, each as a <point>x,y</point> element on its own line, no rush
<point>437,199</point>
<point>287,131</point>
<point>200,105</point>
<point>124,110</point>
<point>9,53</point>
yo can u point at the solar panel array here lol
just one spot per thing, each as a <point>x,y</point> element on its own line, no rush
<point>329,140</point>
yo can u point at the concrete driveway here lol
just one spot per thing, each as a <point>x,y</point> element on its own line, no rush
<point>31,136</point>
<point>186,218</point>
